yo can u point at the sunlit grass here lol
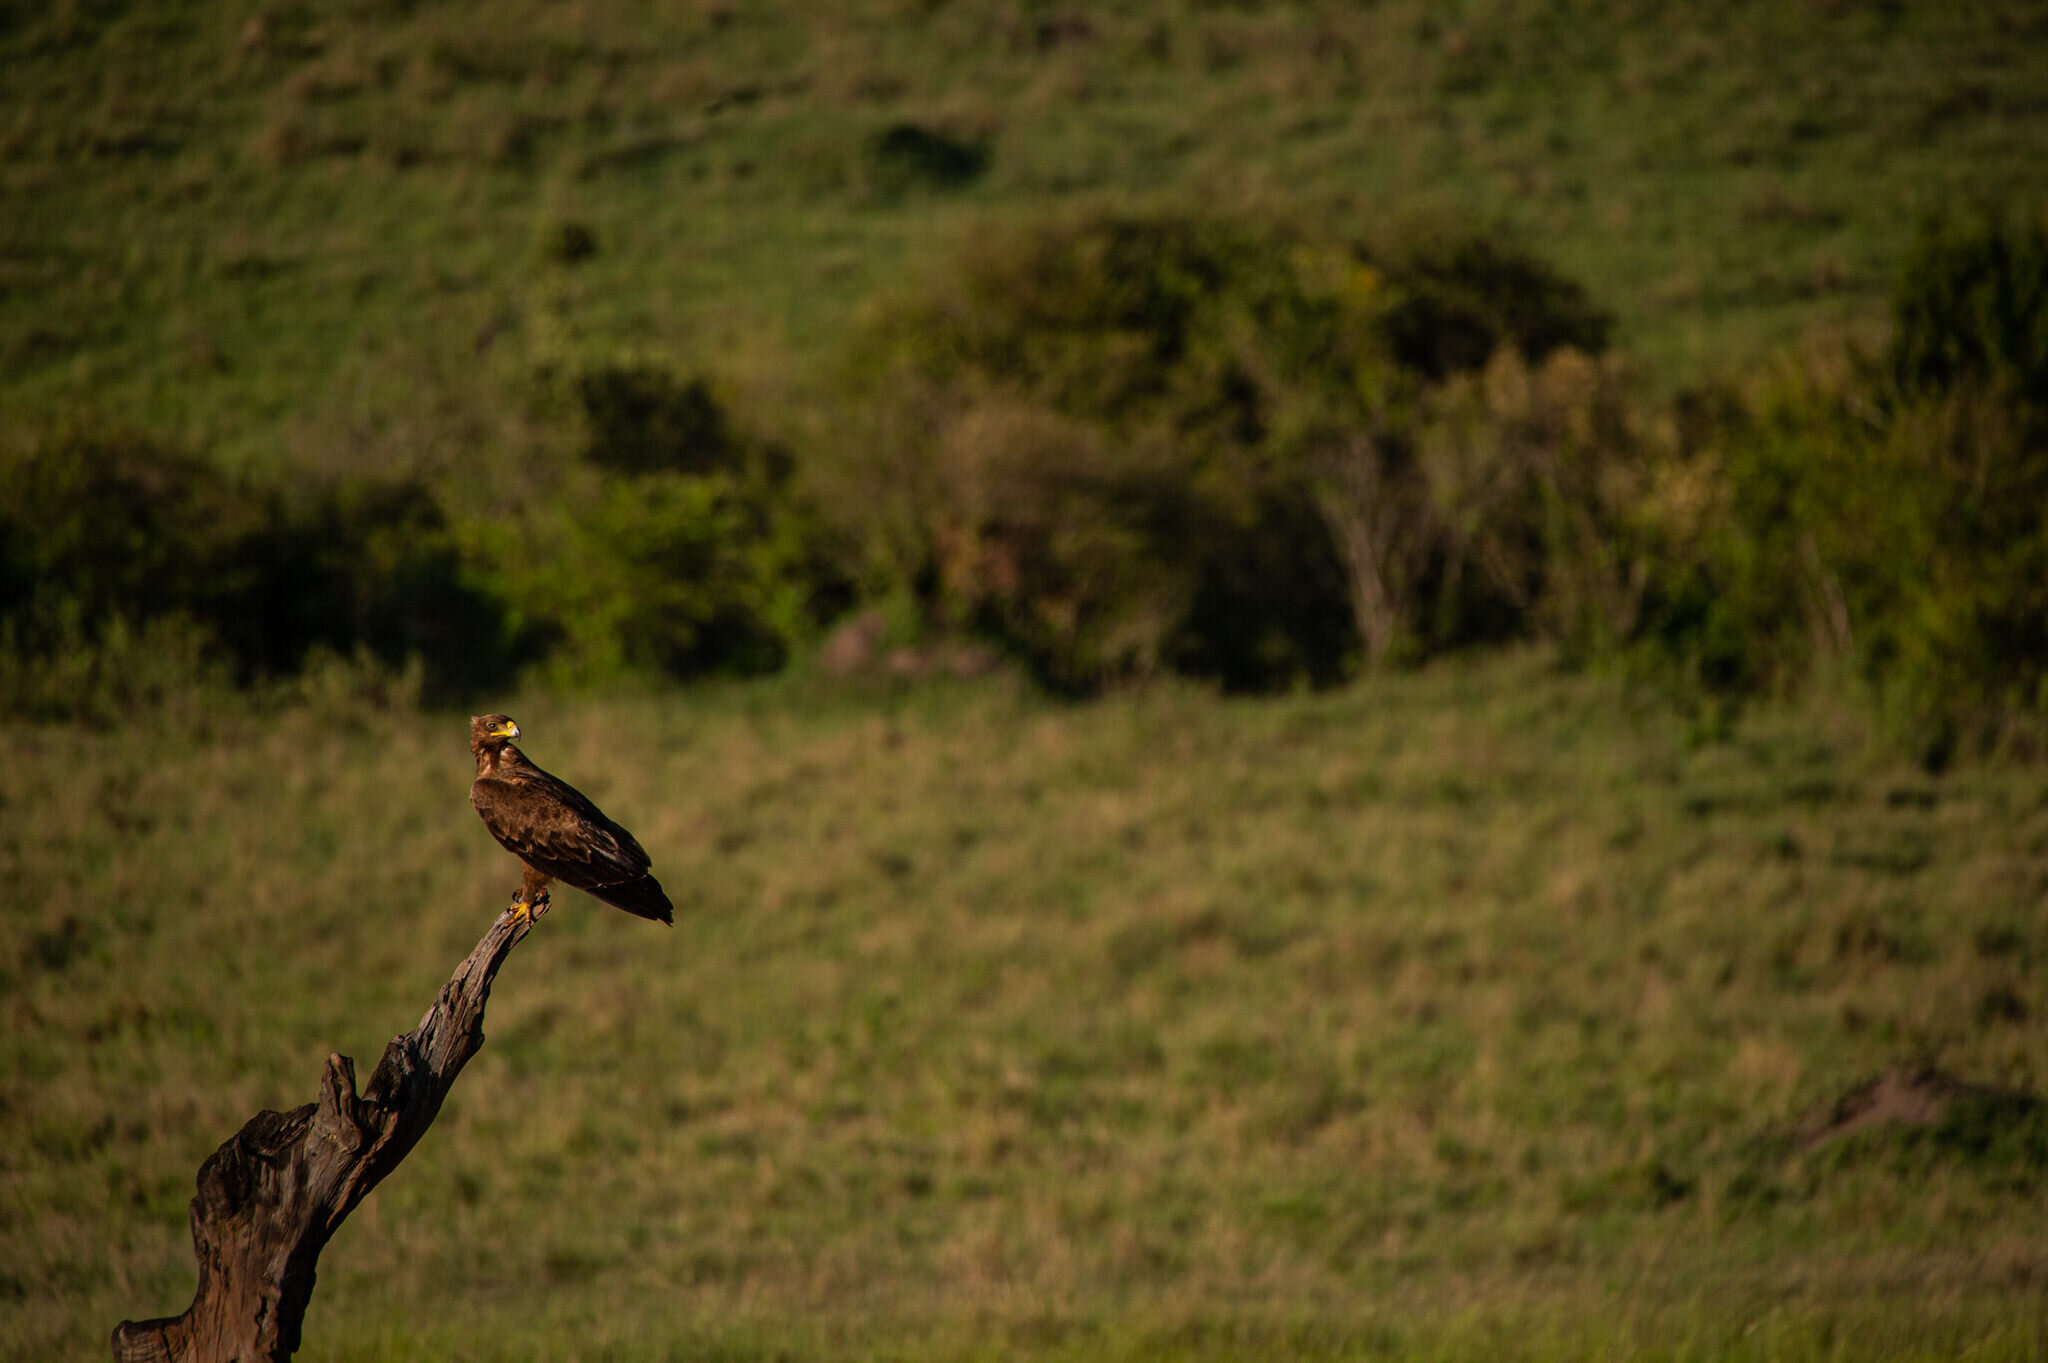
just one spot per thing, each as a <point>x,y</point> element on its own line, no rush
<point>1452,1015</point>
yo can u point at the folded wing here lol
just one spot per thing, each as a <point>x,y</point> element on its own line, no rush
<point>552,827</point>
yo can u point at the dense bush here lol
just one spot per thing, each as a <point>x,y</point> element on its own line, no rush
<point>384,571</point>
<point>1134,442</point>
<point>1123,444</point>
<point>1971,308</point>
<point>1131,443</point>
<point>110,541</point>
<point>678,546</point>
<point>1077,429</point>
<point>98,529</point>
<point>1544,483</point>
<point>1887,514</point>
<point>675,546</point>
<point>1127,444</point>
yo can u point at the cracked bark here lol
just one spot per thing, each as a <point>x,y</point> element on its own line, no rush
<point>272,1196</point>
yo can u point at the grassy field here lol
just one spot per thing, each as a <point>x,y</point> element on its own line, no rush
<point>322,234</point>
<point>1466,1014</point>
<point>1476,1012</point>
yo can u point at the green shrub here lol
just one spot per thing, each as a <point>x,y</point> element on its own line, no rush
<point>680,546</point>
<point>1751,603</point>
<point>1966,441</point>
<point>1889,515</point>
<point>1542,481</point>
<point>384,572</point>
<point>98,528</point>
<point>106,540</point>
<point>1079,419</point>
<point>1971,307</point>
<point>1122,443</point>
<point>676,546</point>
<point>669,574</point>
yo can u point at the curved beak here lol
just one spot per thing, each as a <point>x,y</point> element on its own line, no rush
<point>506,730</point>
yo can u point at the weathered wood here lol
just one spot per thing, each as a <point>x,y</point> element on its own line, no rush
<point>271,1197</point>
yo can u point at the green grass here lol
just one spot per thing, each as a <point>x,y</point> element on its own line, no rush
<point>1465,1014</point>
<point>309,233</point>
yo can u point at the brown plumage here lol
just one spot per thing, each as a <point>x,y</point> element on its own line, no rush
<point>557,832</point>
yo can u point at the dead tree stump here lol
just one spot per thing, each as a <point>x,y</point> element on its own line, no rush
<point>271,1197</point>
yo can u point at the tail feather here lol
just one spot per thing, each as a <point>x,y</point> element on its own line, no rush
<point>643,898</point>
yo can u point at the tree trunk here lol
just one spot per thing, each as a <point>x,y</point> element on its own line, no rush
<point>271,1197</point>
<point>1356,493</point>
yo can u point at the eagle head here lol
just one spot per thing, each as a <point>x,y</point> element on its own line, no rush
<point>491,731</point>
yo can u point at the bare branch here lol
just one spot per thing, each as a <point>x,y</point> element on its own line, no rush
<point>271,1197</point>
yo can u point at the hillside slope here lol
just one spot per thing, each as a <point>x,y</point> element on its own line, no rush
<point>348,235</point>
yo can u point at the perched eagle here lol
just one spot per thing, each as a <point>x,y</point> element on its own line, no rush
<point>549,824</point>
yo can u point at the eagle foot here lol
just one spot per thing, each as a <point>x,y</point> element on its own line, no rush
<point>529,909</point>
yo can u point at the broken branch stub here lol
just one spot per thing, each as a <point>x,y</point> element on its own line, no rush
<point>272,1196</point>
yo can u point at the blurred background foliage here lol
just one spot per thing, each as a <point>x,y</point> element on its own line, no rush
<point>1121,444</point>
<point>1263,347</point>
<point>121,558</point>
<point>1884,510</point>
<point>1132,444</point>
